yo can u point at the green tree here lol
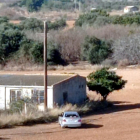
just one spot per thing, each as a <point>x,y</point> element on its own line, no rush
<point>32,24</point>
<point>90,18</point>
<point>34,5</point>
<point>9,42</point>
<point>104,82</point>
<point>53,55</point>
<point>95,50</point>
<point>36,52</point>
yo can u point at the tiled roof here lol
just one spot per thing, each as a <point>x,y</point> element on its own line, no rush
<point>30,80</point>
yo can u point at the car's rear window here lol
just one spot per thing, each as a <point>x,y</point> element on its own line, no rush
<point>71,115</point>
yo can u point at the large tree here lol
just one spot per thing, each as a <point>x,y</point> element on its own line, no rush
<point>104,82</point>
<point>33,5</point>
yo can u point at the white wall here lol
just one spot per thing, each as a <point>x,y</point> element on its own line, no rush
<point>2,98</point>
<point>50,97</point>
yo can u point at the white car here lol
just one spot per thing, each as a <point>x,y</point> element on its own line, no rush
<point>69,119</point>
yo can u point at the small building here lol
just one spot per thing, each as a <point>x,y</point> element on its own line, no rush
<point>60,89</point>
<point>92,9</point>
<point>130,9</point>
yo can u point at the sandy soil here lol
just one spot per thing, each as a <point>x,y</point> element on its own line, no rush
<point>118,123</point>
<point>15,21</point>
<point>70,23</point>
<point>115,12</point>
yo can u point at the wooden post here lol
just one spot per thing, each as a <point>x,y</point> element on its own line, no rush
<point>45,65</point>
<point>5,98</point>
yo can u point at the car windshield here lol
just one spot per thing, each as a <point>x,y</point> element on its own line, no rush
<point>71,115</point>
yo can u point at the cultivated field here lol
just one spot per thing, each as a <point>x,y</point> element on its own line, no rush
<point>118,123</point>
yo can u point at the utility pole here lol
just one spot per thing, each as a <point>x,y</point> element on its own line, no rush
<point>79,6</point>
<point>75,4</point>
<point>45,65</point>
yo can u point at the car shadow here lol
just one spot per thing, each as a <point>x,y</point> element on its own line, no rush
<point>88,125</point>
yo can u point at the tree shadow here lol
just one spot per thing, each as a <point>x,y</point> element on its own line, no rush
<point>4,138</point>
<point>119,102</point>
<point>118,107</point>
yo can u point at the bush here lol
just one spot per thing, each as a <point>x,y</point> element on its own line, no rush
<point>90,18</point>
<point>36,52</point>
<point>16,106</point>
<point>95,50</point>
<point>32,5</point>
<point>33,51</point>
<point>53,55</point>
<point>127,48</point>
<point>127,19</point>
<point>101,21</point>
<point>32,24</point>
<point>57,24</point>
<point>4,20</point>
<point>9,42</point>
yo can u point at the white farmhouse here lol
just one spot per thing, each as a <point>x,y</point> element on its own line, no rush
<point>130,9</point>
<point>60,89</point>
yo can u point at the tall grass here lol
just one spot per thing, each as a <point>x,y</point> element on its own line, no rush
<point>8,120</point>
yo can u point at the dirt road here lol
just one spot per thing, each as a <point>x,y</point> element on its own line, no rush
<point>121,122</point>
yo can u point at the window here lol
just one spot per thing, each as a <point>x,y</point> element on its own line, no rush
<point>15,94</point>
<point>37,96</point>
<point>71,115</point>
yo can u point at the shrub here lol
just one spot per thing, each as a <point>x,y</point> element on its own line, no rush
<point>9,42</point>
<point>95,50</point>
<point>53,55</point>
<point>36,52</point>
<point>32,24</point>
<point>32,5</point>
<point>57,24</point>
<point>16,106</point>
<point>4,20</point>
<point>127,48</point>
<point>101,21</point>
<point>90,18</point>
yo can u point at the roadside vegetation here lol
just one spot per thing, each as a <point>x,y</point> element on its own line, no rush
<point>17,117</point>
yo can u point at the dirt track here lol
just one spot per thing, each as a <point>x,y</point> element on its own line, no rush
<point>119,123</point>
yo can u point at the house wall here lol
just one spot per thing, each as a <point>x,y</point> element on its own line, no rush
<point>50,97</point>
<point>2,98</point>
<point>75,88</point>
<point>130,9</point>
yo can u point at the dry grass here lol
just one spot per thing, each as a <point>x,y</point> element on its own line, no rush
<point>27,66</point>
<point>35,117</point>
